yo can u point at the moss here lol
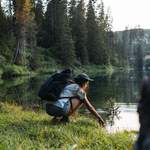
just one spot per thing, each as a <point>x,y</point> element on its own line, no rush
<point>24,130</point>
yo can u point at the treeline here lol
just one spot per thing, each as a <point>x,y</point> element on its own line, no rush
<point>132,45</point>
<point>68,33</point>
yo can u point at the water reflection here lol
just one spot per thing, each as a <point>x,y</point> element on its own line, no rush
<point>128,118</point>
<point>110,95</point>
<point>20,90</point>
<point>111,112</point>
<point>121,87</point>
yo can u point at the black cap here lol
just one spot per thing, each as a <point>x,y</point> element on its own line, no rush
<point>84,76</point>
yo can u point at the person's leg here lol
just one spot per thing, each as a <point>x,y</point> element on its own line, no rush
<point>58,112</point>
<point>55,111</point>
<point>65,119</point>
<point>74,105</point>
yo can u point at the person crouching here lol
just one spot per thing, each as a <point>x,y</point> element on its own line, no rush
<point>72,97</point>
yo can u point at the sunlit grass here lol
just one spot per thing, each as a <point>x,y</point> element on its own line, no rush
<point>27,130</point>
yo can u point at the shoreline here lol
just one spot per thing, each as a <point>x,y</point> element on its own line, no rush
<point>11,71</point>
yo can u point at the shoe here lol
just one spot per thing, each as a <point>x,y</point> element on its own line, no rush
<point>54,120</point>
<point>65,119</point>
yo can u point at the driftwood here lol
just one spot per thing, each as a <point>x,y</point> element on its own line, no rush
<point>143,141</point>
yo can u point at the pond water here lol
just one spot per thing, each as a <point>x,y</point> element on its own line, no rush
<point>115,97</point>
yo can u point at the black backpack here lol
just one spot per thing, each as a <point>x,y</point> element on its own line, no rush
<point>52,88</point>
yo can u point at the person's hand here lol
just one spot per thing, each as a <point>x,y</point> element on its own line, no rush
<point>101,123</point>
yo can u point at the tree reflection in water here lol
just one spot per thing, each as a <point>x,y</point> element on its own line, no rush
<point>111,111</point>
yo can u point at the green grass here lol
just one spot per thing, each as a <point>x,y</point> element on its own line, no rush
<point>28,130</point>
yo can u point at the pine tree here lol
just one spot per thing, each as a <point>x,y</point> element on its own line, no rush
<point>39,14</point>
<point>32,38</point>
<point>93,41</point>
<point>73,17</point>
<point>139,58</point>
<point>5,52</point>
<point>80,33</point>
<point>118,49</point>
<point>2,22</point>
<point>2,30</point>
<point>104,34</point>
<point>22,15</point>
<point>24,30</point>
<point>64,42</point>
<point>136,46</point>
<point>57,33</point>
<point>50,23</point>
<point>125,39</point>
<point>39,18</point>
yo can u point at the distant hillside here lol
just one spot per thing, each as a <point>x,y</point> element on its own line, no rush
<point>147,31</point>
<point>145,38</point>
<point>119,33</point>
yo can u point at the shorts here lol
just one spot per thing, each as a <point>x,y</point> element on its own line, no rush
<point>54,110</point>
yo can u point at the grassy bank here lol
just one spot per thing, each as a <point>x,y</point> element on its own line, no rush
<point>28,130</point>
<point>94,70</point>
<point>10,70</point>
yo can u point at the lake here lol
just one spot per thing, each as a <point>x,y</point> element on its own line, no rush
<point>115,97</point>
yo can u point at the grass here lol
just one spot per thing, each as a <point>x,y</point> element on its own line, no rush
<point>22,129</point>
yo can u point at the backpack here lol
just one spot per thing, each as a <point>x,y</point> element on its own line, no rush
<point>53,86</point>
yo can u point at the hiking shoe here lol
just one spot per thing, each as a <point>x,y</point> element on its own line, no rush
<point>54,120</point>
<point>65,119</point>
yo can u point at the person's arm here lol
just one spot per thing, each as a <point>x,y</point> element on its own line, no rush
<point>82,95</point>
<point>93,111</point>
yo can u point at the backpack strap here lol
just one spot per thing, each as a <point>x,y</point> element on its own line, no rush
<point>68,97</point>
<point>63,98</point>
<point>71,106</point>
